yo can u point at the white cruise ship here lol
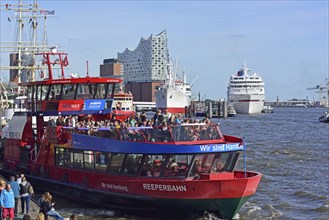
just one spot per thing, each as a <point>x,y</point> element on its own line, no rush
<point>246,92</point>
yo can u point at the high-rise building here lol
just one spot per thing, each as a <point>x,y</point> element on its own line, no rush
<point>114,69</point>
<point>111,68</point>
<point>146,66</point>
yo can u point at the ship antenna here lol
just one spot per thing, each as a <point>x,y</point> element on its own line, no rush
<point>87,69</point>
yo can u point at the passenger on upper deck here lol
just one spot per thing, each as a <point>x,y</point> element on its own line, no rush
<point>167,115</point>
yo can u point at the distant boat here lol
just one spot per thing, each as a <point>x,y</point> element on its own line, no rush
<point>267,109</point>
<point>123,105</point>
<point>175,94</point>
<point>324,118</point>
<point>300,105</point>
<point>231,111</point>
<point>246,92</point>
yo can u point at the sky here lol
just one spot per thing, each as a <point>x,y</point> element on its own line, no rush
<point>285,42</point>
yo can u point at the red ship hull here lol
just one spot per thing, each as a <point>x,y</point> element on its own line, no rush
<point>224,197</point>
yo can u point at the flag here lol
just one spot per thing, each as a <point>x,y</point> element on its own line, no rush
<point>47,12</point>
<point>65,61</point>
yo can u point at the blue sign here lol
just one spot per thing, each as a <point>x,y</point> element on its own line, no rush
<point>85,142</point>
<point>94,104</point>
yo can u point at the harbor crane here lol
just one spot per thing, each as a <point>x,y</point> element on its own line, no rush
<point>323,90</point>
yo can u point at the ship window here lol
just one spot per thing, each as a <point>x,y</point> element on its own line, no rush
<point>88,160</point>
<point>55,92</point>
<point>195,132</point>
<point>68,92</point>
<point>151,165</point>
<point>100,91</point>
<point>59,160</point>
<point>102,160</point>
<point>110,91</point>
<point>202,164</point>
<point>158,135</point>
<point>225,162</point>
<point>219,162</point>
<point>68,158</point>
<point>231,161</point>
<point>132,164</point>
<point>116,163</point>
<point>177,166</point>
<point>41,95</point>
<point>78,159</point>
<point>85,91</point>
<point>29,92</point>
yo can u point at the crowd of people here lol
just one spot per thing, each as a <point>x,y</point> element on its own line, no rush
<point>11,191</point>
<point>132,127</point>
<point>19,188</point>
<point>138,120</point>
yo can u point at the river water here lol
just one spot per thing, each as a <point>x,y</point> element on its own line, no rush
<point>290,147</point>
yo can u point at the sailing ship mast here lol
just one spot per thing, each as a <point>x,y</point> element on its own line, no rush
<point>22,51</point>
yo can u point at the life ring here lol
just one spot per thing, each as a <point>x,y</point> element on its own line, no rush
<point>85,181</point>
<point>66,178</point>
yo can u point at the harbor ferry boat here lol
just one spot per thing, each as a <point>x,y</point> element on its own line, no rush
<point>186,168</point>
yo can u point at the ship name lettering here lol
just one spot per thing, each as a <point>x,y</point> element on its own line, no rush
<point>163,187</point>
<point>113,186</point>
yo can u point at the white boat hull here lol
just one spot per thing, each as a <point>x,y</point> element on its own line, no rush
<point>172,100</point>
<point>247,104</point>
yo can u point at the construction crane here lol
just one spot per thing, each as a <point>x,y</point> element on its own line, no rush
<point>313,88</point>
<point>323,90</point>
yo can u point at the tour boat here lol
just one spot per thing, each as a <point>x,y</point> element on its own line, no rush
<point>186,167</point>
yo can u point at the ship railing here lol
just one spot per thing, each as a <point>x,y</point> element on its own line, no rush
<point>184,133</point>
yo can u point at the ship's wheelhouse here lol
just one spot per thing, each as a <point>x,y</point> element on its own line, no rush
<point>70,96</point>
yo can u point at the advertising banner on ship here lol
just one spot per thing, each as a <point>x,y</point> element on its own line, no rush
<point>94,104</point>
<point>115,146</point>
<point>70,105</point>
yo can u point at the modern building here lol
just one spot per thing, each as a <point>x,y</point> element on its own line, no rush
<point>145,67</point>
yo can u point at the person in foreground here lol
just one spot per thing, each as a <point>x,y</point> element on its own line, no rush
<point>15,187</point>
<point>48,209</point>
<point>7,201</point>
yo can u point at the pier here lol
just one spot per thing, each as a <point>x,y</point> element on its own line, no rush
<point>144,106</point>
<point>209,108</point>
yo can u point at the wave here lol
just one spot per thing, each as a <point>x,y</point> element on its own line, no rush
<point>309,195</point>
<point>324,208</point>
